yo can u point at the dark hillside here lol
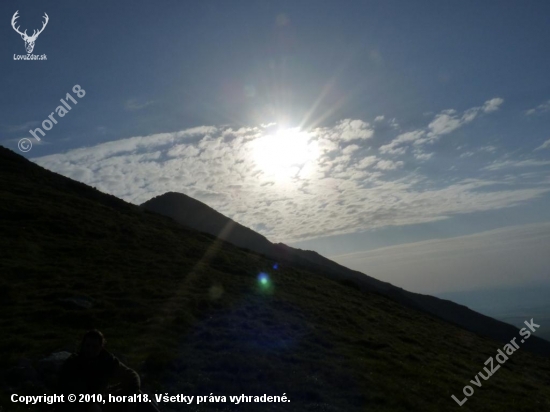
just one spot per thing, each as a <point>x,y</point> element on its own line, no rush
<point>188,313</point>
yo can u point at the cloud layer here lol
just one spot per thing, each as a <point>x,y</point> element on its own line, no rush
<point>330,180</point>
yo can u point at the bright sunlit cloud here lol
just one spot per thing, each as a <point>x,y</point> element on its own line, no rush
<point>284,154</point>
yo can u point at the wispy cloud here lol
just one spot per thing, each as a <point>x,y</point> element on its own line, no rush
<point>448,120</point>
<point>541,108</point>
<point>407,137</point>
<point>24,127</point>
<point>14,141</point>
<point>488,149</point>
<point>492,105</point>
<point>423,156</point>
<point>135,104</point>
<point>516,163</point>
<point>483,149</point>
<point>445,122</point>
<point>545,145</point>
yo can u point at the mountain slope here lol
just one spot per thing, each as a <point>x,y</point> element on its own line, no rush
<point>197,215</point>
<point>187,311</point>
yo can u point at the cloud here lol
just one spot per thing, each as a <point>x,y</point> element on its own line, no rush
<point>545,145</point>
<point>445,122</point>
<point>401,139</point>
<point>268,125</point>
<point>397,151</point>
<point>366,162</point>
<point>24,127</point>
<point>391,149</point>
<point>134,104</point>
<point>388,165</point>
<point>497,165</point>
<point>488,149</point>
<point>349,130</point>
<point>466,154</point>
<point>338,190</point>
<point>379,118</point>
<point>423,156</point>
<point>483,149</point>
<point>350,149</point>
<point>541,108</point>
<point>448,120</point>
<point>492,105</point>
<point>15,141</point>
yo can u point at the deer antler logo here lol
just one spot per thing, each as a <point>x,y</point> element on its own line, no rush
<point>29,40</point>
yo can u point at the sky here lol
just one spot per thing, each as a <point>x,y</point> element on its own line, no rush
<point>403,139</point>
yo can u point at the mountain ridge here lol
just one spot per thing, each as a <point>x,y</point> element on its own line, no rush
<point>183,209</point>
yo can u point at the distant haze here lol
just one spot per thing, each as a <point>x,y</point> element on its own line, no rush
<point>510,256</point>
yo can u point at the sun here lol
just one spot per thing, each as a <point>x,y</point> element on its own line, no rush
<point>285,154</point>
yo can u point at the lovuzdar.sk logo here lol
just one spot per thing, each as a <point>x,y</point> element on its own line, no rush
<point>29,40</point>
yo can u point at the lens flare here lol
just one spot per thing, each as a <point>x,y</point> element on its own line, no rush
<point>263,278</point>
<point>264,281</point>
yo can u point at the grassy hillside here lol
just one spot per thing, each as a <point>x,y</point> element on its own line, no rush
<point>197,215</point>
<point>189,313</point>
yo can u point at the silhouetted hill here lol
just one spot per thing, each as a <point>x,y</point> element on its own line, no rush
<point>195,214</point>
<point>190,314</point>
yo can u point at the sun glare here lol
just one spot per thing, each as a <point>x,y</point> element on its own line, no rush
<point>285,154</point>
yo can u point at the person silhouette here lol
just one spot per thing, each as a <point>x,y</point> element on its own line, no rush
<point>93,370</point>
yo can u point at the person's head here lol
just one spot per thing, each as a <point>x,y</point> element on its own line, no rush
<point>92,343</point>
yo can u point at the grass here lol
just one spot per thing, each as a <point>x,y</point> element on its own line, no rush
<point>189,314</point>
